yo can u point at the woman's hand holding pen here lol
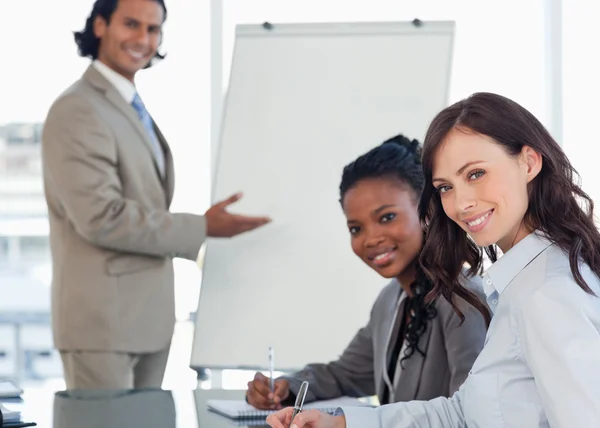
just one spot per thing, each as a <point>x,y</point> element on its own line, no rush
<point>305,419</point>
<point>297,418</point>
<point>260,396</point>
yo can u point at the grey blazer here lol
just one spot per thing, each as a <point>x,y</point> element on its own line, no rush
<point>112,235</point>
<point>361,370</point>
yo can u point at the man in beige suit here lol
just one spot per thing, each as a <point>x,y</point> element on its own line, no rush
<point>108,176</point>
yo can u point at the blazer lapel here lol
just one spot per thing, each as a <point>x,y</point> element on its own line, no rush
<point>96,79</point>
<point>410,376</point>
<point>169,179</point>
<point>391,340</point>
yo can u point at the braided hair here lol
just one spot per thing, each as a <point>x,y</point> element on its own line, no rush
<point>398,158</point>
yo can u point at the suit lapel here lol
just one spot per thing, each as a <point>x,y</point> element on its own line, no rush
<point>406,388</point>
<point>95,78</point>
<point>391,338</point>
<point>169,180</point>
<point>410,377</point>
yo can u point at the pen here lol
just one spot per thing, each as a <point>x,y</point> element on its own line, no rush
<point>271,368</point>
<point>299,400</point>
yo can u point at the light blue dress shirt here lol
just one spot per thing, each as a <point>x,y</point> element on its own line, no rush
<point>540,366</point>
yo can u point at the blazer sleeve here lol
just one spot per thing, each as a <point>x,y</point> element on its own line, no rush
<point>351,375</point>
<point>81,167</point>
<point>463,342</point>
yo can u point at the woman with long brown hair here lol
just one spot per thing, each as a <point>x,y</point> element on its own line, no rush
<point>495,178</point>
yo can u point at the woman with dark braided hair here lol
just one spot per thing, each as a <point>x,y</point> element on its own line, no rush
<point>409,349</point>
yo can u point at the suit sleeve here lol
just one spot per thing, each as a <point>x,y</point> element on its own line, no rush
<point>81,167</point>
<point>351,375</point>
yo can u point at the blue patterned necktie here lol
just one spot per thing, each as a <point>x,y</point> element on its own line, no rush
<point>139,107</point>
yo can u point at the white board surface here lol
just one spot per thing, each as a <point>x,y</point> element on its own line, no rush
<point>303,101</point>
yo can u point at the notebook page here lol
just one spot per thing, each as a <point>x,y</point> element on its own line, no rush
<point>241,409</point>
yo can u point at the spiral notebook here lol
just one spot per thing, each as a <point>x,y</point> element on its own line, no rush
<point>239,409</point>
<point>8,416</point>
<point>8,389</point>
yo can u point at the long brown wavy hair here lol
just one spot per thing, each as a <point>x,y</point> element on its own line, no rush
<point>558,206</point>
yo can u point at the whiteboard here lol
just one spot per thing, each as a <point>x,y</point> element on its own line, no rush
<point>303,101</point>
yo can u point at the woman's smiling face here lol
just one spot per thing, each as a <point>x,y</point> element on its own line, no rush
<point>482,188</point>
<point>384,224</point>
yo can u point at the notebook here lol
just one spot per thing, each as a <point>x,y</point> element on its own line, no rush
<point>239,409</point>
<point>9,416</point>
<point>8,389</point>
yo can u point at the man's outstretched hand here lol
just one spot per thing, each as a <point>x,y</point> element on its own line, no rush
<point>223,224</point>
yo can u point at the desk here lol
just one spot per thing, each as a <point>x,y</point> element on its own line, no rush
<point>132,409</point>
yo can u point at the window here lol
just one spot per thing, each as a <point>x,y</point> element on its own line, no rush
<point>34,248</point>
<point>581,68</point>
<point>22,133</point>
<point>3,248</point>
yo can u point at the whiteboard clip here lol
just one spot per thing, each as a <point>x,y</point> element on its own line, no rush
<point>267,25</point>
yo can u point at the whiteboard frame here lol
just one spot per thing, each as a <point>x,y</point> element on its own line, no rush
<point>350,28</point>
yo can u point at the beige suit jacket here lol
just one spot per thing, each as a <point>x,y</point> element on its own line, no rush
<point>111,233</point>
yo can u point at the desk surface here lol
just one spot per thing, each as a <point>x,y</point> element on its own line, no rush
<point>148,409</point>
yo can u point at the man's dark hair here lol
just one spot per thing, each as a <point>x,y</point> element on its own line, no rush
<point>86,40</point>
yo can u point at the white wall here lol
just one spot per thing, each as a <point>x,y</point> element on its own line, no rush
<point>581,62</point>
